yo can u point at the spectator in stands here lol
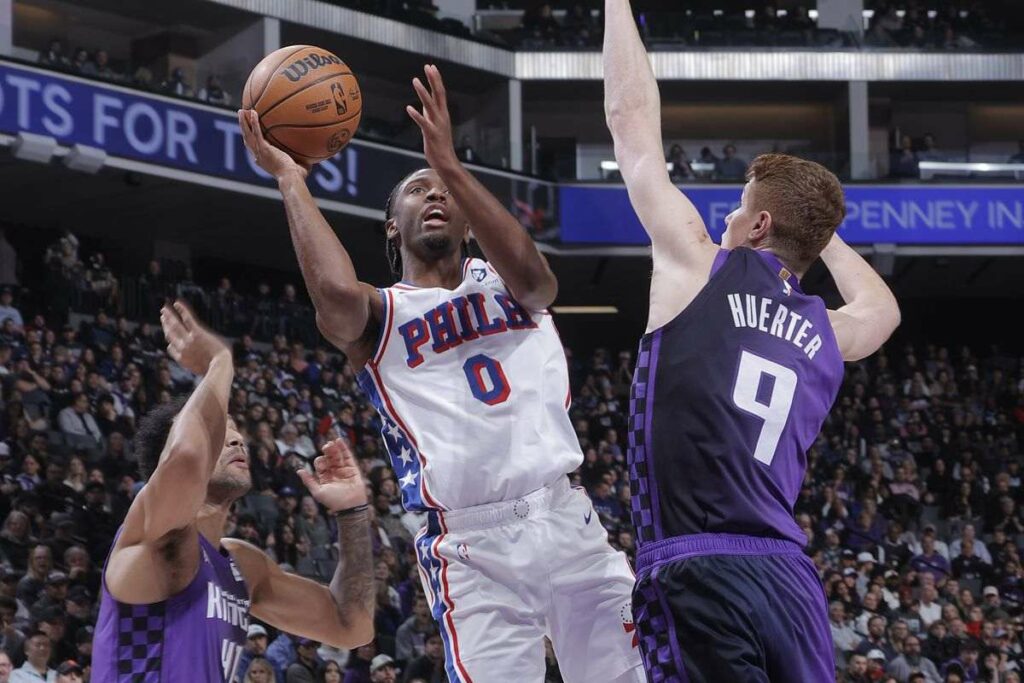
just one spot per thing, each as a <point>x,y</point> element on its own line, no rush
<point>258,670</point>
<point>466,152</point>
<point>303,670</point>
<point>876,639</point>
<point>331,672</point>
<point>6,666</point>
<point>213,92</point>
<point>579,27</point>
<point>967,661</point>
<point>857,669</point>
<point>175,84</point>
<point>143,78</point>
<point>9,311</point>
<point>76,420</point>
<point>54,56</point>
<point>254,649</point>
<point>411,638</point>
<point>931,151</point>
<point>37,656</point>
<point>911,661</point>
<point>844,637</point>
<point>540,26</point>
<point>82,64</point>
<point>429,667</point>
<point>1018,158</point>
<point>382,669</point>
<point>904,160</point>
<point>680,164</point>
<point>102,67</point>
<point>100,281</point>
<point>358,668</point>
<point>730,166</point>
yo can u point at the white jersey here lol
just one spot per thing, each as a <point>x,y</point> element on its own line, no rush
<point>473,393</point>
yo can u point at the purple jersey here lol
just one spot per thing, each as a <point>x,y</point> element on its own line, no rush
<point>196,635</point>
<point>726,400</point>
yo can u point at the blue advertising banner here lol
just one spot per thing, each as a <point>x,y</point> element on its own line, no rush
<point>203,139</point>
<point>898,214</point>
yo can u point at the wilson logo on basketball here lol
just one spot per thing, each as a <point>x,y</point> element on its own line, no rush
<point>296,70</point>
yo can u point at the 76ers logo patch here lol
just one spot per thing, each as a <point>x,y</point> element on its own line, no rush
<point>626,615</point>
<point>478,273</point>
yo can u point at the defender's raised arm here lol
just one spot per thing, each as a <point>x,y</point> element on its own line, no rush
<point>681,247</point>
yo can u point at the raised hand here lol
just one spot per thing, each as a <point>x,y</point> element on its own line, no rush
<point>338,484</point>
<point>189,343</point>
<point>268,157</point>
<point>435,122</point>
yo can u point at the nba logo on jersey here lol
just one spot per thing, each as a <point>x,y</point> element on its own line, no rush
<point>478,273</point>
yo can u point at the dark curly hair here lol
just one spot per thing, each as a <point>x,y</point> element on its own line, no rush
<point>151,435</point>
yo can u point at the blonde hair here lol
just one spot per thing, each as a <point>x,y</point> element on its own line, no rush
<point>260,663</point>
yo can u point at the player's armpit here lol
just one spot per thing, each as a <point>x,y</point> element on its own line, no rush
<point>295,604</point>
<point>350,317</point>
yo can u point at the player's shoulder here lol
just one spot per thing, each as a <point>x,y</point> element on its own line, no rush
<point>481,272</point>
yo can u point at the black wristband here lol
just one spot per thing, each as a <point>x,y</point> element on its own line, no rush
<point>351,511</point>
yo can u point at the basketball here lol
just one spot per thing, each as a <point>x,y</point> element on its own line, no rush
<point>307,99</point>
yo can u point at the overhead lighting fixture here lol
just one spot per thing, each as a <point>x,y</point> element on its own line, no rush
<point>585,310</point>
<point>32,147</point>
<point>84,158</point>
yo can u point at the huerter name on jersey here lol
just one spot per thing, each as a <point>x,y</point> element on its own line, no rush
<point>761,313</point>
<point>460,320</point>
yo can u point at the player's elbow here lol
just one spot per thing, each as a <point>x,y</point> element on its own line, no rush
<point>538,292</point>
<point>357,630</point>
<point>340,327</point>
<point>891,318</point>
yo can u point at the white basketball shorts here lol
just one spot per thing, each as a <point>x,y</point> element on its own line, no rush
<point>500,577</point>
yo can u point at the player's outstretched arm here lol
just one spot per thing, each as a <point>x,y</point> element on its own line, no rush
<point>871,313</point>
<point>342,302</point>
<point>176,490</point>
<point>503,240</point>
<point>681,247</point>
<point>341,615</point>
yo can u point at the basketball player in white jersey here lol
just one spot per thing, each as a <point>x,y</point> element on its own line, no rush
<point>465,366</point>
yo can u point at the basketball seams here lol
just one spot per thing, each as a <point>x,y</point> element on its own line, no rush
<point>303,89</point>
<point>314,125</point>
<point>273,138</point>
<point>273,72</point>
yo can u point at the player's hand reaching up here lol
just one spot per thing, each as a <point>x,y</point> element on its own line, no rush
<point>189,343</point>
<point>268,157</point>
<point>435,123</point>
<point>338,484</point>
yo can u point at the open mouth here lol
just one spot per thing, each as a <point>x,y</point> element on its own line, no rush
<point>435,216</point>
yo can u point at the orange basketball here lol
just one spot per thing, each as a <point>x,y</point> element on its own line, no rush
<point>307,99</point>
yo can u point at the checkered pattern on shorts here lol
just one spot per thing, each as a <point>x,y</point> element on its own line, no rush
<point>140,642</point>
<point>654,626</point>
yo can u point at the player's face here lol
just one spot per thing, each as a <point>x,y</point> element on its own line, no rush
<point>231,477</point>
<point>427,220</point>
<point>740,222</point>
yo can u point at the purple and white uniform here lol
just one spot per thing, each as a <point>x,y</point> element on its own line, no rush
<point>196,635</point>
<point>726,400</point>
